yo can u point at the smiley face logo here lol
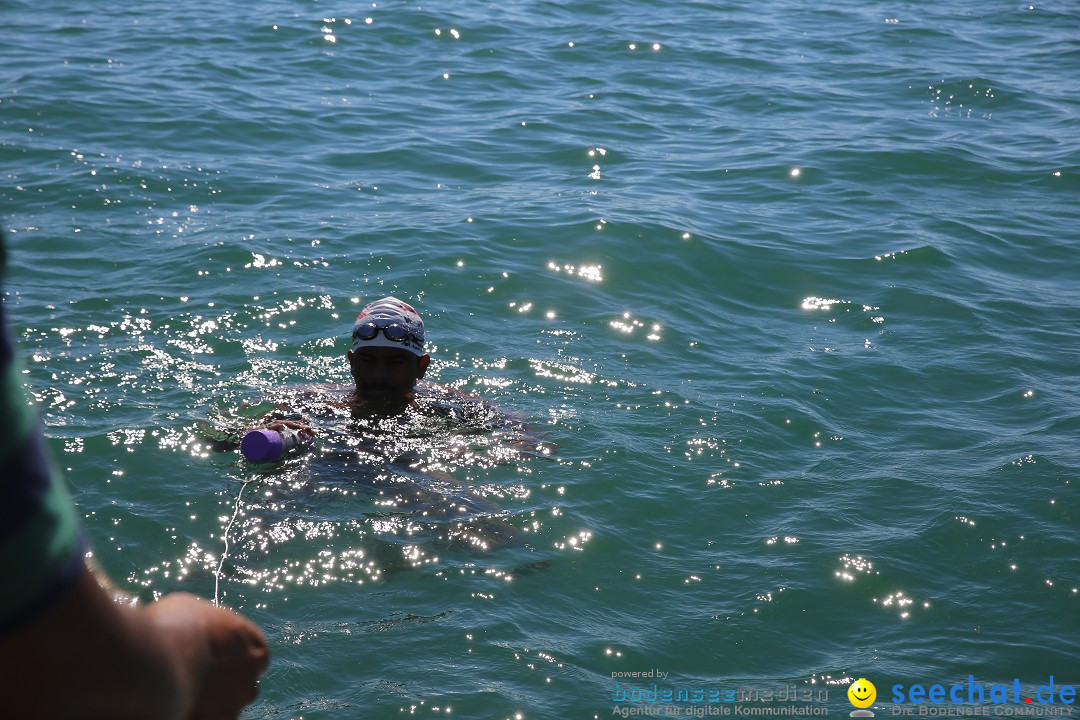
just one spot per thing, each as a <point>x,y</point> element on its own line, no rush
<point>862,693</point>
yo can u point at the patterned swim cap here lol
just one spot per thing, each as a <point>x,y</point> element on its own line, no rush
<point>389,322</point>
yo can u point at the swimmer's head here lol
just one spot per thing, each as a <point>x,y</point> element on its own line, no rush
<point>391,323</point>
<point>387,356</point>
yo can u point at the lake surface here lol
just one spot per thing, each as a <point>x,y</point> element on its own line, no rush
<point>785,297</point>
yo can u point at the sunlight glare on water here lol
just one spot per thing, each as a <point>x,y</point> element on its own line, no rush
<point>765,315</point>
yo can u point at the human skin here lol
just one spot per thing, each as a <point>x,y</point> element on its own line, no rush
<point>83,655</point>
<point>386,376</point>
<point>88,657</point>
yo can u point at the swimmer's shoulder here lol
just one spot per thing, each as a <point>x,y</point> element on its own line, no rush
<point>451,402</point>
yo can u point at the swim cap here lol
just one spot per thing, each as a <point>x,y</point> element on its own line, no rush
<point>389,322</point>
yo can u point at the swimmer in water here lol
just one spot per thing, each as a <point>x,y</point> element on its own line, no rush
<point>387,363</point>
<point>386,360</point>
<point>402,434</point>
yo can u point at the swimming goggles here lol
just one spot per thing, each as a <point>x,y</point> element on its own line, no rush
<point>395,332</point>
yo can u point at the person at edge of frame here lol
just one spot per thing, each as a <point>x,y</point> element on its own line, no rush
<point>67,649</point>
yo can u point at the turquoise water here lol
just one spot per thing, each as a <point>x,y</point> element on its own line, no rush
<point>789,290</point>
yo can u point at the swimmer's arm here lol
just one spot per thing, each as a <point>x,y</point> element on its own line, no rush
<point>87,656</point>
<point>284,415</point>
<point>277,419</point>
<point>513,429</point>
<point>291,424</point>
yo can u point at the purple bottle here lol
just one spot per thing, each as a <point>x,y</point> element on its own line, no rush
<point>263,445</point>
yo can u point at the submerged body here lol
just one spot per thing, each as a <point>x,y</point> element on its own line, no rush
<point>388,449</point>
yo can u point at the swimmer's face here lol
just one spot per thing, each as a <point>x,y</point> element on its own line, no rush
<point>862,693</point>
<point>384,373</point>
